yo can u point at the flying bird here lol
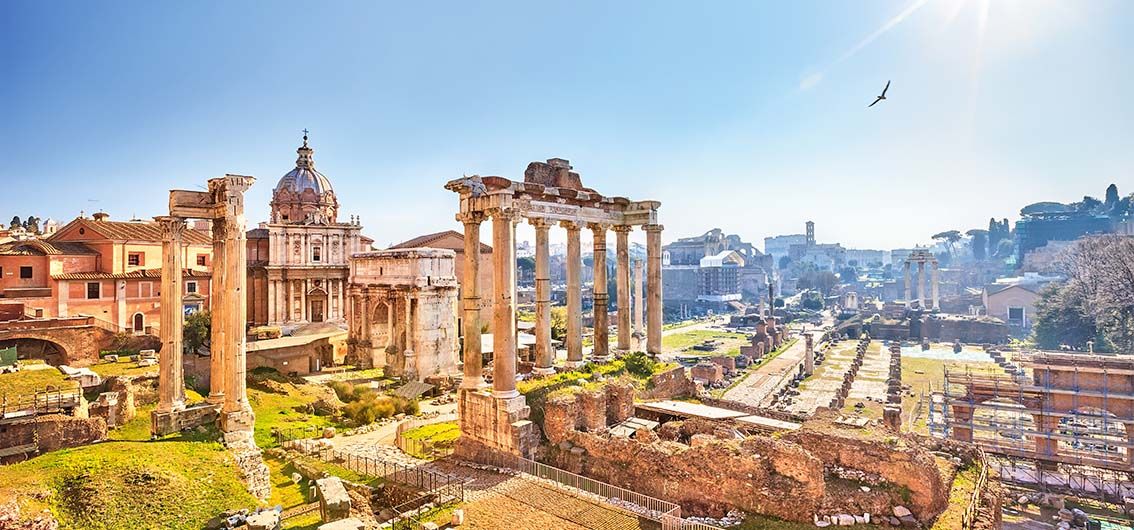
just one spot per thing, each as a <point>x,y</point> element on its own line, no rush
<point>880,98</point>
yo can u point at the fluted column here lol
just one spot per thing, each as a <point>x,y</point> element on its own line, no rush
<point>503,308</point>
<point>654,288</point>
<point>544,353</point>
<point>470,298</point>
<point>304,315</point>
<point>218,347</point>
<point>622,283</point>
<point>639,303</point>
<point>171,380</point>
<point>921,285</point>
<point>601,318</point>
<point>236,303</point>
<point>909,293</point>
<point>574,295</point>
<point>271,301</point>
<point>934,288</point>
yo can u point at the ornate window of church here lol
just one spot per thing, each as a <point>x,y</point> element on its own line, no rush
<point>316,253</point>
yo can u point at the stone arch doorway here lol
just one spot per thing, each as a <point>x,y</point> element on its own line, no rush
<point>317,305</point>
<point>379,331</point>
<point>139,323</point>
<point>48,351</point>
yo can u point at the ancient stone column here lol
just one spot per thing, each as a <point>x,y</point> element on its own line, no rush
<point>601,320</point>
<point>622,282</point>
<point>544,353</point>
<point>639,301</point>
<point>171,380</point>
<point>574,295</point>
<point>654,288</point>
<point>365,335</point>
<point>909,293</point>
<point>503,308</point>
<point>934,288</point>
<point>808,354</point>
<point>921,285</point>
<point>470,298</point>
<point>237,411</point>
<point>218,347</point>
<point>409,364</point>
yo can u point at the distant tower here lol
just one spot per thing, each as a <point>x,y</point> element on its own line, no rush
<point>810,233</point>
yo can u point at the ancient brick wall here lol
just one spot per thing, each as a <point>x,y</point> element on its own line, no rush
<point>53,432</point>
<point>619,401</point>
<point>668,384</point>
<point>592,409</point>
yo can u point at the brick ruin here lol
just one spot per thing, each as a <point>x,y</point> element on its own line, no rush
<point>826,467</point>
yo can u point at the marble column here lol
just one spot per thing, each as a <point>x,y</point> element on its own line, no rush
<point>271,302</point>
<point>544,353</point>
<point>236,406</point>
<point>218,347</point>
<point>171,379</point>
<point>470,299</point>
<point>639,304</point>
<point>601,320</point>
<point>503,308</point>
<point>303,311</point>
<point>654,289</point>
<point>921,285</point>
<point>409,361</point>
<point>909,293</point>
<point>365,335</point>
<point>574,295</point>
<point>622,282</point>
<point>934,288</point>
<point>342,299</point>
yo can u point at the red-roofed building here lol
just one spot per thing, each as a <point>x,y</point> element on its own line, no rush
<point>110,270</point>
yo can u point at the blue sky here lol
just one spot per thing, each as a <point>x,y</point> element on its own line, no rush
<point>749,116</point>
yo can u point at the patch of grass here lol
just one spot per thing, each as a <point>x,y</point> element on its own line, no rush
<point>123,367</point>
<point>959,495</point>
<point>127,485</point>
<point>435,433</point>
<point>681,341</point>
<point>27,382</point>
<point>289,494</point>
<point>283,411</point>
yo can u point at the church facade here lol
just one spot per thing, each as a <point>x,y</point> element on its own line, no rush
<point>299,260</point>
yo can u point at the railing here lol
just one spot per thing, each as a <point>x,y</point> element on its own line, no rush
<point>652,508</point>
<point>423,448</point>
<point>41,402</point>
<point>968,518</point>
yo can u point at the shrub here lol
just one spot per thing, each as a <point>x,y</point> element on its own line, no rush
<point>640,364</point>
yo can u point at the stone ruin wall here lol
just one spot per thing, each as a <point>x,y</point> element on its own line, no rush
<point>707,469</point>
<point>54,432</point>
<point>671,383</point>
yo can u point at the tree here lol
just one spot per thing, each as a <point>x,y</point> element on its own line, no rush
<point>848,274</point>
<point>31,224</point>
<point>526,264</point>
<point>949,238</point>
<point>1111,199</point>
<point>1059,320</point>
<point>822,281</point>
<point>785,261</point>
<point>15,223</point>
<point>197,330</point>
<point>979,243</point>
<point>1088,204</point>
<point>559,323</point>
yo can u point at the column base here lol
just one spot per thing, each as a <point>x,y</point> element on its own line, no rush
<point>216,399</point>
<point>543,371</point>
<point>165,423</point>
<point>492,423</point>
<point>505,394</point>
<point>571,365</point>
<point>600,358</point>
<point>473,384</point>
<point>237,421</point>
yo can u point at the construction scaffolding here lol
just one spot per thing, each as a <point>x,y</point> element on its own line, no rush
<point>1059,410</point>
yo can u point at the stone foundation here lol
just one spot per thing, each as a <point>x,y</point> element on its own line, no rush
<point>52,432</point>
<point>165,423</point>
<point>496,424</point>
<point>669,384</point>
<point>253,471</point>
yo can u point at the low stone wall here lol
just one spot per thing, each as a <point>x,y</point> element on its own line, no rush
<point>669,384</point>
<point>165,423</point>
<point>53,432</point>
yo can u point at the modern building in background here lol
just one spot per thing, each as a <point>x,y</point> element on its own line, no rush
<point>712,270</point>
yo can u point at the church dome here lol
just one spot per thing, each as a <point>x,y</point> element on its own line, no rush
<point>304,195</point>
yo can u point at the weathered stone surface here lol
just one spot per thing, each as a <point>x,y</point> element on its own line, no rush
<point>592,408</point>
<point>53,432</point>
<point>334,502</point>
<point>668,384</point>
<point>344,524</point>
<point>265,520</point>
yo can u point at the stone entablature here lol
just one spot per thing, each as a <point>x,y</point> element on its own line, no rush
<point>403,312</point>
<point>550,194</point>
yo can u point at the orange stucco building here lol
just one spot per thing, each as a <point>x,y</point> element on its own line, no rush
<point>110,270</point>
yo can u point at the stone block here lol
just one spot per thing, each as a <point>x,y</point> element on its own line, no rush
<point>265,520</point>
<point>344,524</point>
<point>334,502</point>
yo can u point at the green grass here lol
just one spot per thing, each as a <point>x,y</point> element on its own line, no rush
<point>763,522</point>
<point>680,341</point>
<point>27,382</point>
<point>435,433</point>
<point>123,367</point>
<point>126,485</point>
<point>279,411</point>
<point>288,494</point>
<point>138,428</point>
<point>959,495</point>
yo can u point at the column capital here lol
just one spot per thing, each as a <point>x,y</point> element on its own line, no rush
<point>171,226</point>
<point>471,218</point>
<point>598,227</point>
<point>571,226</point>
<point>541,223</point>
<point>499,213</point>
<point>653,228</point>
<point>622,229</point>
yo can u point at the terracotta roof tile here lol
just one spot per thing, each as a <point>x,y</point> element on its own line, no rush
<point>136,231</point>
<point>428,240</point>
<point>133,275</point>
<point>42,247</point>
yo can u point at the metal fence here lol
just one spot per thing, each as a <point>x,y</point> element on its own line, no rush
<point>652,508</point>
<point>40,402</point>
<point>423,449</point>
<point>969,517</point>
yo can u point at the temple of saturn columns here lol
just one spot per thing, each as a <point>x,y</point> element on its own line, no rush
<point>922,257</point>
<point>402,309</point>
<point>496,419</point>
<point>227,403</point>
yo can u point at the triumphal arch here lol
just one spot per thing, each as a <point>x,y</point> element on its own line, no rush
<point>550,194</point>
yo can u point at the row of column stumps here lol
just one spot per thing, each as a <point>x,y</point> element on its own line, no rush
<point>503,231</point>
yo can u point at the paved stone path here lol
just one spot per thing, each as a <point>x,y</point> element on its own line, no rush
<point>758,387</point>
